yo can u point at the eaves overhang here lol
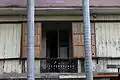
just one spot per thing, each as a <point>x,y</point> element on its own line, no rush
<point>60,11</point>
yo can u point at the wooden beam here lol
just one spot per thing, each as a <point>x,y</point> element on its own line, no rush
<point>113,66</point>
<point>23,39</point>
<point>105,75</point>
<point>40,39</point>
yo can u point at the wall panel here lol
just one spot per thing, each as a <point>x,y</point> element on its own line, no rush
<point>107,39</point>
<point>12,66</point>
<point>37,40</point>
<point>10,40</point>
<point>78,39</point>
<point>101,66</point>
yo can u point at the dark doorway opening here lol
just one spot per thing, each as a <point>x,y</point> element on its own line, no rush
<point>58,39</point>
<point>51,43</point>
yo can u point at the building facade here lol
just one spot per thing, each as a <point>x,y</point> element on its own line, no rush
<point>59,39</point>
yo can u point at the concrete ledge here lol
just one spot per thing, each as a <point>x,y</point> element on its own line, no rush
<point>72,76</point>
<point>54,75</point>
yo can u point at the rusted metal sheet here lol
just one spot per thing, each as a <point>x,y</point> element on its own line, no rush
<point>39,3</point>
<point>10,39</point>
<point>107,39</point>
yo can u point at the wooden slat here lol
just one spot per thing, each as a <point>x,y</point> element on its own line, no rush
<point>23,40</point>
<point>78,51</point>
<point>93,42</point>
<point>78,39</point>
<point>37,40</point>
<point>105,75</point>
<point>40,39</point>
<point>107,39</point>
<point>93,50</point>
<point>113,66</point>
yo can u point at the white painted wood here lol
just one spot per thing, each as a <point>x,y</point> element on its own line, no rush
<point>72,76</point>
<point>106,17</point>
<point>94,65</point>
<point>59,18</point>
<point>101,66</point>
<point>79,66</point>
<point>1,67</point>
<point>10,39</point>
<point>37,66</point>
<point>107,39</point>
<point>12,66</point>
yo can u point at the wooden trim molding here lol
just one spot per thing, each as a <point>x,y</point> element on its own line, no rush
<point>23,39</point>
<point>40,39</point>
<point>105,75</point>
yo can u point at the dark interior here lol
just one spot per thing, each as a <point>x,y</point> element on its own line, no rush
<point>52,43</point>
<point>57,39</point>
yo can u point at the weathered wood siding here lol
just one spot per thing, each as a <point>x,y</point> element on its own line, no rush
<point>10,43</point>
<point>37,40</point>
<point>10,66</point>
<point>106,17</point>
<point>107,39</point>
<point>36,68</point>
<point>78,39</point>
<point>102,79</point>
<point>10,40</point>
<point>77,36</point>
<point>100,66</point>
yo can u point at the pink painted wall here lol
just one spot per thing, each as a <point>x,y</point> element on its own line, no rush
<point>44,3</point>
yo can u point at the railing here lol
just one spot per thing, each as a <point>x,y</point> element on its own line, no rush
<point>58,65</point>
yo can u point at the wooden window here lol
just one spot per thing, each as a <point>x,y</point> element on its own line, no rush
<point>37,40</point>
<point>78,39</point>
